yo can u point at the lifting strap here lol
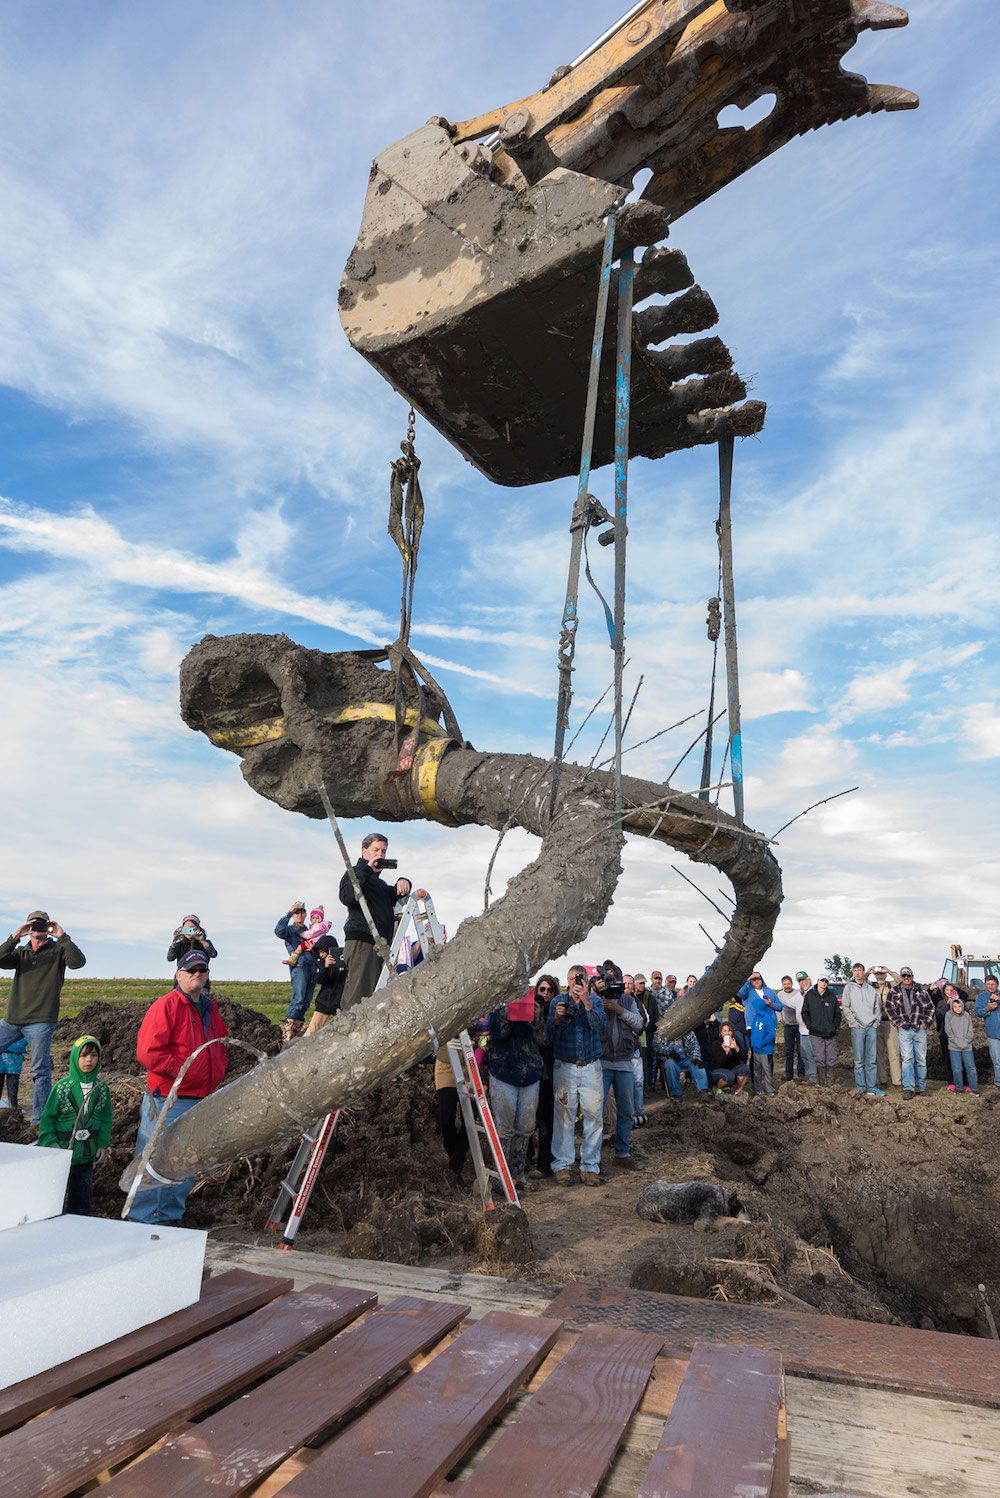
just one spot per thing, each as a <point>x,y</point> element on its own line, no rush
<point>587,511</point>
<point>406,524</point>
<point>724,528</point>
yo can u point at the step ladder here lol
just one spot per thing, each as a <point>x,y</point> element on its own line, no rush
<point>419,909</point>
<point>297,1187</point>
<point>474,1105</point>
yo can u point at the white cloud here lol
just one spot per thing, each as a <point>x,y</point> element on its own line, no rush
<point>980,735</point>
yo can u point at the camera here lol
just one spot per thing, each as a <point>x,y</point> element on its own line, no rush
<point>40,927</point>
<point>385,863</point>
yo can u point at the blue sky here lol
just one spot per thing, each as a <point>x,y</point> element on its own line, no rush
<point>189,445</point>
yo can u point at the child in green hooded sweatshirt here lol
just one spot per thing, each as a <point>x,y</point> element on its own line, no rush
<point>78,1113</point>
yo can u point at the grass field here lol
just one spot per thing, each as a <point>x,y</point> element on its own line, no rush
<point>270,998</point>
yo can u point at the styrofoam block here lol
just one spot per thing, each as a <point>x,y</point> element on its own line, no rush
<point>32,1183</point>
<point>73,1283</point>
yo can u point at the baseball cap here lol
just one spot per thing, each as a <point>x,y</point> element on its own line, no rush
<point>38,915</point>
<point>192,959</point>
<point>906,972</point>
<point>801,975</point>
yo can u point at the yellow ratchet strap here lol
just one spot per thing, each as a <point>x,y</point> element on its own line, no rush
<point>271,729</point>
<point>423,778</point>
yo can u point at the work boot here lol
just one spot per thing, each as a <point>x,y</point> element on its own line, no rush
<point>291,961</point>
<point>563,1177</point>
<point>907,1093</point>
<point>590,1177</point>
<point>624,1162</point>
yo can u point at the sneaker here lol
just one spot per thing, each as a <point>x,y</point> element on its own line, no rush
<point>625,1162</point>
<point>907,1092</point>
<point>953,1088</point>
<point>875,1092</point>
<point>589,1177</point>
<point>563,1177</point>
<point>968,1089</point>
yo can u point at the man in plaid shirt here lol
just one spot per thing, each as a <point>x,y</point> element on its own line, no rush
<point>910,1008</point>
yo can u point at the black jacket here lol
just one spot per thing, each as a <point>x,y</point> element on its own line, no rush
<point>182,944</point>
<point>381,898</point>
<point>821,1013</point>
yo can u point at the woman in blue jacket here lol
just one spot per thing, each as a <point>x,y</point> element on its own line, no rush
<point>763,1008</point>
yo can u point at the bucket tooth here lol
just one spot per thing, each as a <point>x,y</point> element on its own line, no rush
<point>660,272</point>
<point>874,15</point>
<point>887,96</point>
<point>692,312</point>
<point>702,356</point>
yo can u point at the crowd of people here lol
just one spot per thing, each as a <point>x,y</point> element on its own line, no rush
<point>598,1039</point>
<point>590,1052</point>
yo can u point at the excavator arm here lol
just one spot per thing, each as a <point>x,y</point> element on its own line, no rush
<point>471,286</point>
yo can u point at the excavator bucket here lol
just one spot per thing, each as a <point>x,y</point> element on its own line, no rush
<point>472,285</point>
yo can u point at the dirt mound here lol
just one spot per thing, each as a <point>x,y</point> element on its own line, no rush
<point>117,1025</point>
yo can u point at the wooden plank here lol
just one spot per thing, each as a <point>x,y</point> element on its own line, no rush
<point>484,1292</point>
<point>417,1433</point>
<point>60,1451</point>
<point>566,1438</point>
<point>223,1298</point>
<point>827,1347</point>
<point>249,1438</point>
<point>903,1445</point>
<point>721,1438</point>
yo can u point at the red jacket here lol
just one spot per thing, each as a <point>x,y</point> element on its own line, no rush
<point>171,1030</point>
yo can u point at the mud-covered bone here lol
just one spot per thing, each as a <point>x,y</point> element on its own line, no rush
<point>294,715</point>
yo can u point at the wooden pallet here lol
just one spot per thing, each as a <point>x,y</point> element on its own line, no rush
<point>262,1389</point>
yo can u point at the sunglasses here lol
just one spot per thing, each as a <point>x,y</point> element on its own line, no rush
<point>196,970</point>
<point>544,988</point>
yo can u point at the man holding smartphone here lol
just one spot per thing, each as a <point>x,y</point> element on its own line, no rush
<point>575,1023</point>
<point>33,1006</point>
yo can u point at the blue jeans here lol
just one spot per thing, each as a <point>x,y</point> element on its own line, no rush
<point>674,1070</point>
<point>514,1110</point>
<point>39,1037</point>
<point>864,1044</point>
<point>913,1059</point>
<point>966,1059</point>
<point>160,1204</point>
<point>993,1041</point>
<point>793,1045</point>
<point>303,976</point>
<point>806,1053</point>
<point>624,1084</point>
<point>572,1085</point>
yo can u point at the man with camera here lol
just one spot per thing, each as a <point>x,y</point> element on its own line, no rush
<point>33,1006</point>
<point>575,1023</point>
<point>623,1028</point>
<point>363,961</point>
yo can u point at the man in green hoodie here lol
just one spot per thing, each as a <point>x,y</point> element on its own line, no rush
<point>33,1005</point>
<point>77,1115</point>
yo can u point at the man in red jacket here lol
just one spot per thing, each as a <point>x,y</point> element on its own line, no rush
<point>173,1029</point>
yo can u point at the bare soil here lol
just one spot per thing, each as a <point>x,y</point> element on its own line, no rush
<point>877,1209</point>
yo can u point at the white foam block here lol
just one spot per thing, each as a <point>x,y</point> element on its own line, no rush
<point>32,1183</point>
<point>74,1283</point>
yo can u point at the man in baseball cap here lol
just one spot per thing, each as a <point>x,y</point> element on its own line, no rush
<point>33,1004</point>
<point>174,1028</point>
